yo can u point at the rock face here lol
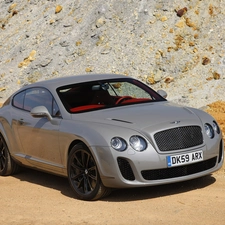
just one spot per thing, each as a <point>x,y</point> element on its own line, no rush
<point>178,46</point>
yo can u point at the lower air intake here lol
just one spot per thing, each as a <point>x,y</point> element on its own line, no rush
<point>125,169</point>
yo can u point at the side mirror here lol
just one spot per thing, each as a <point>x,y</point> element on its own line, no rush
<point>40,112</point>
<point>162,93</point>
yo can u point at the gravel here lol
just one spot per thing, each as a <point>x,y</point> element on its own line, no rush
<point>176,45</point>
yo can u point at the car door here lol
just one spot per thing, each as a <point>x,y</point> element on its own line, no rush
<point>38,136</point>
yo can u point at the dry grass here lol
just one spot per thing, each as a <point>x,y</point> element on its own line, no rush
<point>217,110</point>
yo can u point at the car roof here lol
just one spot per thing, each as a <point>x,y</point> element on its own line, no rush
<point>67,80</point>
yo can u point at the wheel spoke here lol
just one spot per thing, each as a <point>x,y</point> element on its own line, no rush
<point>92,184</point>
<point>2,147</point>
<point>87,161</point>
<point>2,163</point>
<point>75,176</point>
<point>3,150</point>
<point>2,155</point>
<point>79,183</point>
<point>84,159</point>
<point>78,162</point>
<point>92,173</point>
<point>86,185</point>
<point>75,166</point>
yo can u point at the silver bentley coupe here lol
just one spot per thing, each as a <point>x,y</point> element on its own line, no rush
<point>106,131</point>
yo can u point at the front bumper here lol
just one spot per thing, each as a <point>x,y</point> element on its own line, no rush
<point>149,168</point>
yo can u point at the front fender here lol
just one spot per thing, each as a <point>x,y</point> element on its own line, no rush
<point>93,135</point>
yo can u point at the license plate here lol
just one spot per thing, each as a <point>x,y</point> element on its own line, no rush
<point>176,160</point>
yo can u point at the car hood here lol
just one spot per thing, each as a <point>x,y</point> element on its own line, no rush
<point>143,116</point>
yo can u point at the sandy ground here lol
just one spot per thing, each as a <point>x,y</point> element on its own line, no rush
<point>33,197</point>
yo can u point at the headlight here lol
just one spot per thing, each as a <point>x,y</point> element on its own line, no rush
<point>209,130</point>
<point>216,127</point>
<point>138,143</point>
<point>118,144</point>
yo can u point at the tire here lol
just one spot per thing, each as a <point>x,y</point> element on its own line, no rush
<point>83,174</point>
<point>7,164</point>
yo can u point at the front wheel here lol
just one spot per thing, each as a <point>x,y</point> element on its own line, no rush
<point>7,164</point>
<point>83,174</point>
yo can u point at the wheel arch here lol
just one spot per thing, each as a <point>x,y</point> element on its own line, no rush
<point>4,136</point>
<point>72,144</point>
<point>78,141</point>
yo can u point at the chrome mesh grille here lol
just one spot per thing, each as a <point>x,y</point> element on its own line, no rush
<point>179,138</point>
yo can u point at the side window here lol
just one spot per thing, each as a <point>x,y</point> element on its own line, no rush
<point>38,97</point>
<point>33,97</point>
<point>18,100</point>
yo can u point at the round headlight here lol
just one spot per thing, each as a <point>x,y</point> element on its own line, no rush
<point>118,144</point>
<point>138,143</point>
<point>216,127</point>
<point>209,130</point>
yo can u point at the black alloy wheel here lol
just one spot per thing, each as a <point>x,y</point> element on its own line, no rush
<point>83,174</point>
<point>7,164</point>
<point>3,156</point>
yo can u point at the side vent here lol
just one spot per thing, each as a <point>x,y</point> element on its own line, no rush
<point>125,169</point>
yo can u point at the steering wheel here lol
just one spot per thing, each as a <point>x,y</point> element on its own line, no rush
<point>120,100</point>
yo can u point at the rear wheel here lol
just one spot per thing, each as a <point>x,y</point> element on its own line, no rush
<point>83,174</point>
<point>7,164</point>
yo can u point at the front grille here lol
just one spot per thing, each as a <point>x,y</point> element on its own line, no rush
<point>180,171</point>
<point>125,169</point>
<point>179,138</point>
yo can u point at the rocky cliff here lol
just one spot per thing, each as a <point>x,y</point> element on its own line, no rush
<point>178,46</point>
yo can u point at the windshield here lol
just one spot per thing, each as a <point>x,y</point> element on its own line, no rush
<point>102,94</point>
